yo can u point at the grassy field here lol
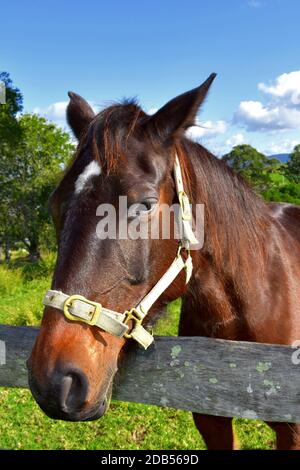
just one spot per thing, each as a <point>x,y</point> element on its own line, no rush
<point>126,425</point>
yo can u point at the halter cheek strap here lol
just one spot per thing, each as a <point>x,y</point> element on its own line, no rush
<point>78,308</point>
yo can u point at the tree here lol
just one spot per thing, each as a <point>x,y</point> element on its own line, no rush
<point>252,165</point>
<point>289,192</point>
<point>268,176</point>
<point>9,127</point>
<point>293,165</point>
<point>27,176</point>
<point>10,134</point>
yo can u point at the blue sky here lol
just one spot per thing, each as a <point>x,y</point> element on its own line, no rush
<point>156,50</point>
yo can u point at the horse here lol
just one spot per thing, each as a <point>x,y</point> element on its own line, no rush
<point>245,281</point>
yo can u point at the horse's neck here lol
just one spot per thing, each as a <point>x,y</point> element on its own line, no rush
<point>234,254</point>
<point>236,219</point>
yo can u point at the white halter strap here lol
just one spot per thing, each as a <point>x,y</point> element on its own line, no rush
<point>78,308</point>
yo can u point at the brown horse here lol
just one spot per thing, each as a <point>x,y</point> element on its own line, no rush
<point>245,284</point>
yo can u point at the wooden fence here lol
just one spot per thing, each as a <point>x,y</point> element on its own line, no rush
<point>224,378</point>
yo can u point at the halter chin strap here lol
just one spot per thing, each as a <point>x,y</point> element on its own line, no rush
<point>78,308</point>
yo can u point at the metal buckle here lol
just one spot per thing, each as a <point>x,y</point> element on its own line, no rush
<point>182,248</point>
<point>94,315</point>
<point>188,262</point>
<point>185,206</point>
<point>134,315</point>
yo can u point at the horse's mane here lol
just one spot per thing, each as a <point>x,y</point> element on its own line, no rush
<point>236,218</point>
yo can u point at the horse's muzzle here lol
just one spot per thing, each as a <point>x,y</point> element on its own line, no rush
<point>64,395</point>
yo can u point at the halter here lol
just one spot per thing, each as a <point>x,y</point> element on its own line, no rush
<point>78,308</point>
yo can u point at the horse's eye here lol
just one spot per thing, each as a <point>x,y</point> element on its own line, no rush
<point>143,207</point>
<point>149,203</point>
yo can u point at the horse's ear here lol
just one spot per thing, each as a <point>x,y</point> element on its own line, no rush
<point>79,114</point>
<point>180,113</point>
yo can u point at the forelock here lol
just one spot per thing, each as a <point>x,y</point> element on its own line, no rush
<point>110,130</point>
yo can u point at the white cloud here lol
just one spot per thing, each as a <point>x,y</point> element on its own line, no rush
<point>152,111</point>
<point>236,139</point>
<point>285,146</point>
<point>53,112</point>
<point>258,117</point>
<point>280,112</point>
<point>207,130</point>
<point>286,88</point>
<point>56,112</point>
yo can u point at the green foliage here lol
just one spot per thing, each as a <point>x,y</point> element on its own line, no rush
<point>38,269</point>
<point>293,166</point>
<point>289,192</point>
<point>269,177</point>
<point>251,164</point>
<point>22,287</point>
<point>14,98</point>
<point>10,281</point>
<point>28,173</point>
<point>9,128</point>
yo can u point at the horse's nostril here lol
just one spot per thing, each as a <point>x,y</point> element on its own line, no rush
<point>73,388</point>
<point>65,391</point>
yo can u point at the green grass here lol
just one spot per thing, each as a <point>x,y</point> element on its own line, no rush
<point>126,425</point>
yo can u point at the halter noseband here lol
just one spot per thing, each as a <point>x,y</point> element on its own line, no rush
<point>78,308</point>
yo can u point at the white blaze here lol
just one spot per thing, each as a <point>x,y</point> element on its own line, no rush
<point>92,169</point>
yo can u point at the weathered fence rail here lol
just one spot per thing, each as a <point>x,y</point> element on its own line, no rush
<point>211,376</point>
